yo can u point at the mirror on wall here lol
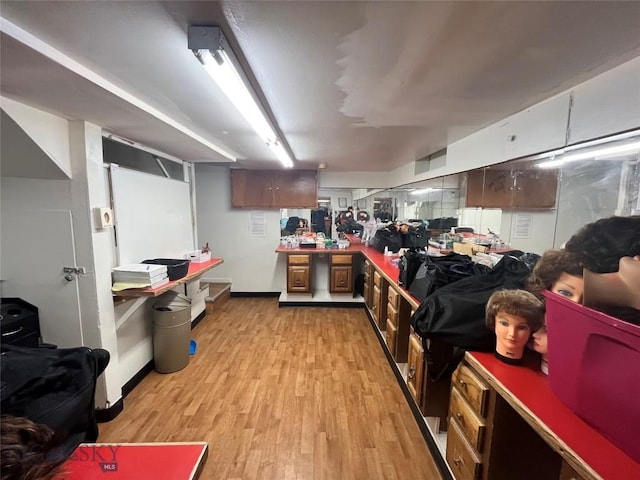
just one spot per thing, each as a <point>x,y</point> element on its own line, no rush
<point>533,203</point>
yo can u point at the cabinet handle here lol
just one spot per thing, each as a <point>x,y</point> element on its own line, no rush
<point>460,417</point>
<point>412,372</point>
<point>458,461</point>
<point>462,383</point>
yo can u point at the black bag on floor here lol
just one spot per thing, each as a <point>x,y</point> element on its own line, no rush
<point>55,387</point>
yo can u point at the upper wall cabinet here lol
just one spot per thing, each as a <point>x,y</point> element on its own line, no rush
<point>274,188</point>
<point>512,186</point>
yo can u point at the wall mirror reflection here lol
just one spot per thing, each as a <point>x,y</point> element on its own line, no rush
<point>534,203</point>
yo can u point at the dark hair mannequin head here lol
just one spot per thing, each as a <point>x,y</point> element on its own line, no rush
<point>600,245</point>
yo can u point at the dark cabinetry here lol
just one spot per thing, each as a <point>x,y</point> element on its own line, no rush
<point>495,187</point>
<point>274,189</point>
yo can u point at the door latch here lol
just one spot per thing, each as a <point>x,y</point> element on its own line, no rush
<point>76,270</point>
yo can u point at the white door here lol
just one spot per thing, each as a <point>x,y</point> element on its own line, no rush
<point>35,247</point>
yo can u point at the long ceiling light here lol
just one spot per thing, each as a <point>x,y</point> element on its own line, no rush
<point>600,153</point>
<point>212,50</point>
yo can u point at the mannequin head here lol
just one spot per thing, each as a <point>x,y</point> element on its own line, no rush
<point>600,244</point>
<point>513,315</point>
<point>558,271</point>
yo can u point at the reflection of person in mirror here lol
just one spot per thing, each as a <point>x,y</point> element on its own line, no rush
<point>513,315</point>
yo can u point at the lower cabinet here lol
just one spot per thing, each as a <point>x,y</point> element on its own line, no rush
<point>299,273</point>
<point>488,439</point>
<point>415,367</point>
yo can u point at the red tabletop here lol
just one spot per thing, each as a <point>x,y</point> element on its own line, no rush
<point>529,388</point>
<point>195,269</point>
<point>139,461</point>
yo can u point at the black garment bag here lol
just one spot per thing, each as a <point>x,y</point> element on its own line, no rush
<point>55,387</point>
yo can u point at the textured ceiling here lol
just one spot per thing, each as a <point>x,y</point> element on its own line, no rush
<point>360,86</point>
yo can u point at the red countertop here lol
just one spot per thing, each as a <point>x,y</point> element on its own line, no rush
<point>139,461</point>
<point>526,388</point>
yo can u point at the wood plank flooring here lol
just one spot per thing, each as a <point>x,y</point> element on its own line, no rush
<point>289,393</point>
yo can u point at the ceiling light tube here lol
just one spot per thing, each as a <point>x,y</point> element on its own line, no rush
<point>210,48</point>
<point>600,153</point>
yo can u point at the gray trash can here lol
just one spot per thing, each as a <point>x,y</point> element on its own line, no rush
<point>171,332</point>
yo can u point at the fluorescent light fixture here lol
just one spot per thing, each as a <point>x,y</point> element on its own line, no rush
<point>600,153</point>
<point>424,190</point>
<point>212,50</point>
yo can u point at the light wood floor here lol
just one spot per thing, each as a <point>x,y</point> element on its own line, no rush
<point>289,393</point>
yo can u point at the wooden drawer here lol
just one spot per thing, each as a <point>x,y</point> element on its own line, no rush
<point>394,297</point>
<point>462,459</point>
<point>391,334</point>
<point>377,279</point>
<point>472,426</point>
<point>299,259</point>
<point>472,388</point>
<point>392,315</point>
<point>341,259</point>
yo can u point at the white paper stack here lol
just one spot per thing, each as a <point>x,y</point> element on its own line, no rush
<point>140,275</point>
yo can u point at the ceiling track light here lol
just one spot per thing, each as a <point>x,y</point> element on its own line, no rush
<point>211,48</point>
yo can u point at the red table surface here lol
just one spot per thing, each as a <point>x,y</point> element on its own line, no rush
<point>135,461</point>
<point>531,388</point>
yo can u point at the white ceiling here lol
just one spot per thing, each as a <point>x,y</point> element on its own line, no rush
<point>360,86</point>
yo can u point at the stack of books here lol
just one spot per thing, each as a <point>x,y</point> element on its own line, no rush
<point>139,275</point>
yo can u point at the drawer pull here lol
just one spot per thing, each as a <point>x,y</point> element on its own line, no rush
<point>460,417</point>
<point>462,383</point>
<point>458,461</point>
<point>412,372</point>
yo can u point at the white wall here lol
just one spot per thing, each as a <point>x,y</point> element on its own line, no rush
<point>250,263</point>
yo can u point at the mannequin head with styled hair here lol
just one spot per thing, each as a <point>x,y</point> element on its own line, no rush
<point>601,244</point>
<point>513,315</point>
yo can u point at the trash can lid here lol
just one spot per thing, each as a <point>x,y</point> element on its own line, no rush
<point>170,301</point>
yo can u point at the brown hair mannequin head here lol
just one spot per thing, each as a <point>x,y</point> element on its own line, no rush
<point>514,315</point>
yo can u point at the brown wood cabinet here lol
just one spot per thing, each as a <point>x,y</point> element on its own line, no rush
<point>512,188</point>
<point>299,273</point>
<point>398,317</point>
<point>368,284</point>
<point>274,188</point>
<point>415,367</point>
<point>341,274</point>
<point>379,300</point>
<point>488,439</point>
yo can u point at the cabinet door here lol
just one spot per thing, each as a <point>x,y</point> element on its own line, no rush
<point>475,187</point>
<point>391,337</point>
<point>295,189</point>
<point>498,189</point>
<point>536,189</point>
<point>377,307</point>
<point>251,188</point>
<point>415,367</point>
<point>341,279</point>
<point>299,279</point>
